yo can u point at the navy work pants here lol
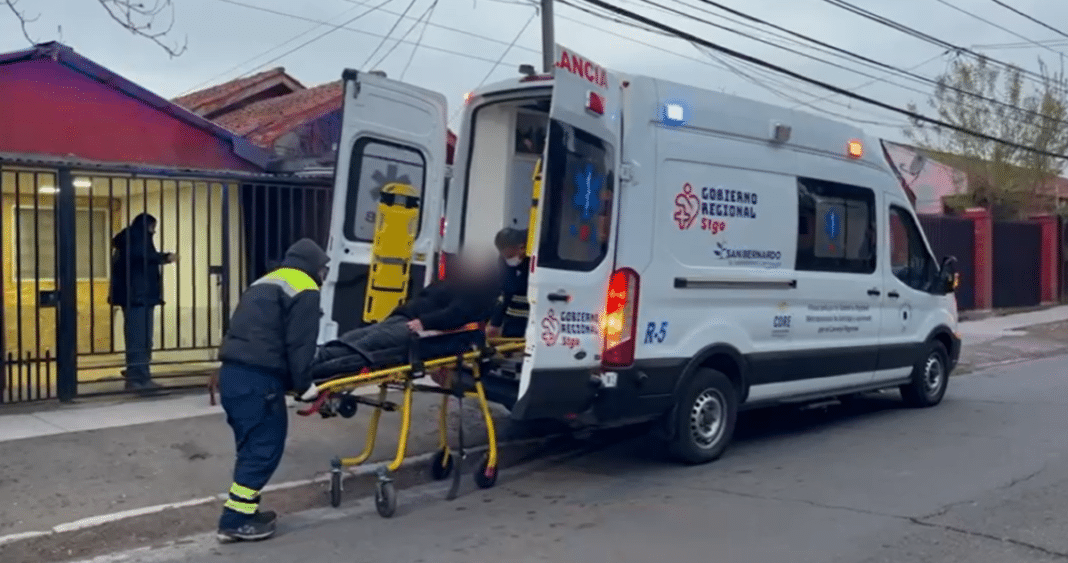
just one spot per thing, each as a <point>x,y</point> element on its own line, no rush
<point>255,407</point>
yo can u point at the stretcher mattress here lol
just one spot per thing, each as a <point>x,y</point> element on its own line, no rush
<point>337,359</point>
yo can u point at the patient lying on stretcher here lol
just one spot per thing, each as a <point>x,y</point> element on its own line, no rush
<point>467,296</point>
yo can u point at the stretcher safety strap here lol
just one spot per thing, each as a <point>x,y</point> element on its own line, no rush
<point>242,507</point>
<point>241,492</point>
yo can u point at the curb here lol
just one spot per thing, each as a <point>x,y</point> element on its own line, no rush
<point>359,471</point>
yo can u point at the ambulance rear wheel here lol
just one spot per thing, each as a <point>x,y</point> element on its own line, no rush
<point>704,417</point>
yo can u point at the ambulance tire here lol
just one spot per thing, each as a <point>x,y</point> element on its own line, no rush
<point>704,417</point>
<point>930,377</point>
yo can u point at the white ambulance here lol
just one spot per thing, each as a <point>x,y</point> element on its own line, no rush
<point>696,253</point>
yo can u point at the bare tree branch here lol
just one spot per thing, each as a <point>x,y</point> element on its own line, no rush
<point>141,17</point>
<point>22,17</point>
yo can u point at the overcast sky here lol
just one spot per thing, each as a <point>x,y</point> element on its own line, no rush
<point>226,41</point>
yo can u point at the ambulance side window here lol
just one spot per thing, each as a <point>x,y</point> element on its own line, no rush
<point>579,187</point>
<point>374,164</point>
<point>836,227</point>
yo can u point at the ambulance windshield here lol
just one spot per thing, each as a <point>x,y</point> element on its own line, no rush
<point>579,187</point>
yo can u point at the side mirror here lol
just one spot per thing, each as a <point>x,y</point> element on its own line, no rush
<point>948,277</point>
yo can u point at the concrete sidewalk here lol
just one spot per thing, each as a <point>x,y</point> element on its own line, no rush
<point>60,464</point>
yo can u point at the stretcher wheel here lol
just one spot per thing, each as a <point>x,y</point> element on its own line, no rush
<point>347,406</point>
<point>485,477</point>
<point>335,489</point>
<point>442,465</point>
<point>385,499</point>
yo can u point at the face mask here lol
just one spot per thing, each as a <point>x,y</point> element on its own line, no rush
<point>513,262</point>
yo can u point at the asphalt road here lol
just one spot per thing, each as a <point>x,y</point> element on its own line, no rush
<point>980,478</point>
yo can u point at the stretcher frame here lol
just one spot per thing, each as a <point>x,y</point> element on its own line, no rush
<point>336,398</point>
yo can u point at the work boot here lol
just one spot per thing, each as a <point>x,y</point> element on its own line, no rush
<point>259,527</point>
<point>266,516</point>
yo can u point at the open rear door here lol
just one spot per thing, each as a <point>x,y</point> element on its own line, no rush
<point>391,132</point>
<point>573,258</point>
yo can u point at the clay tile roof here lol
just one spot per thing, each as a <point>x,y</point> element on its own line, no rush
<point>265,121</point>
<point>220,96</point>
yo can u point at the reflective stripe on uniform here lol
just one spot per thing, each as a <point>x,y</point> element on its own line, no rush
<point>513,312</point>
<point>519,298</point>
<point>243,492</point>
<point>291,280</point>
<point>242,507</point>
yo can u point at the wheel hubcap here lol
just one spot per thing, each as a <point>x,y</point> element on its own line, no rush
<point>706,418</point>
<point>933,374</point>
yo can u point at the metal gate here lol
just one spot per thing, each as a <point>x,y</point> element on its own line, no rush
<point>1017,264</point>
<point>70,226</point>
<point>954,236</point>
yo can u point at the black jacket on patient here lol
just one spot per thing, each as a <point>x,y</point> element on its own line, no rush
<point>441,306</point>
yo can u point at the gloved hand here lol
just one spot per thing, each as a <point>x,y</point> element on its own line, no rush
<point>310,394</point>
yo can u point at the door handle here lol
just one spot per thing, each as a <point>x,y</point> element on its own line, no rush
<point>559,296</point>
<point>893,295</point>
<point>874,292</point>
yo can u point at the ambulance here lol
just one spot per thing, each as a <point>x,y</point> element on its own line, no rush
<point>693,253</point>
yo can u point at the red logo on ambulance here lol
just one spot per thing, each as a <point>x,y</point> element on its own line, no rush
<point>687,207</point>
<point>550,326</point>
<point>582,67</point>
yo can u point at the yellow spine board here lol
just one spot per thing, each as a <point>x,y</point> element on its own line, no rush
<point>532,236</point>
<point>396,225</point>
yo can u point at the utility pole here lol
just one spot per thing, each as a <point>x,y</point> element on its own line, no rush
<point>548,43</point>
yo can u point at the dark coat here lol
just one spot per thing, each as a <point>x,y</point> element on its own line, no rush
<point>451,304</point>
<point>276,323</point>
<point>136,280</point>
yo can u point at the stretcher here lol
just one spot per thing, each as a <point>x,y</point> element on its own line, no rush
<point>337,397</point>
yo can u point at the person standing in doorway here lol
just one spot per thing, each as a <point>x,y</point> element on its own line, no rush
<point>511,314</point>
<point>137,287</point>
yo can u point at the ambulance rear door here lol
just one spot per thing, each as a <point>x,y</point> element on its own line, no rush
<point>391,132</point>
<point>572,261</point>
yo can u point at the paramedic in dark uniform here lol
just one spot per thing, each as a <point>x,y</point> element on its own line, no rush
<point>265,354</point>
<point>509,318</point>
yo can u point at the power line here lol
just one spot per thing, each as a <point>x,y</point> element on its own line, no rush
<point>926,37</point>
<point>415,48</point>
<point>846,54</point>
<point>871,82</point>
<point>773,67</point>
<point>992,24</point>
<point>388,33</point>
<point>442,26</point>
<point>317,37</point>
<point>278,46</point>
<point>1039,22</point>
<point>425,13</point>
<point>786,96</point>
<point>1019,45</point>
<point>371,33</point>
<point>500,60</point>
<point>783,47</point>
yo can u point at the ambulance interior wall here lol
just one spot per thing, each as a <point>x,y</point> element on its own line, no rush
<point>499,179</point>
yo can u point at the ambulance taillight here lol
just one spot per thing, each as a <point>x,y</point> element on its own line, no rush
<point>595,103</point>
<point>620,320</point>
